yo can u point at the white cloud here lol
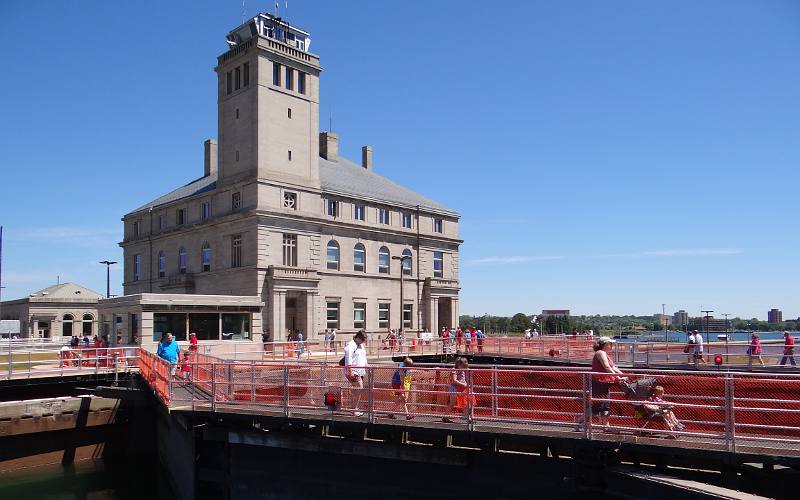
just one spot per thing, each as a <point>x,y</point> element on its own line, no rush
<point>699,252</point>
<point>512,259</point>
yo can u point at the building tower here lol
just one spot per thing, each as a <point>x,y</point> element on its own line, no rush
<point>268,105</point>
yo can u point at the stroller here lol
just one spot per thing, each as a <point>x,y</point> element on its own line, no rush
<point>647,414</point>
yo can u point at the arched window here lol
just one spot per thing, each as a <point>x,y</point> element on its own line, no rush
<point>66,325</point>
<point>333,256</point>
<point>182,260</point>
<point>359,258</point>
<point>205,257</point>
<point>408,263</point>
<point>87,324</point>
<point>162,264</point>
<point>383,260</point>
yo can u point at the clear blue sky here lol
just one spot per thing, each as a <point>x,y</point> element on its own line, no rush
<point>606,157</point>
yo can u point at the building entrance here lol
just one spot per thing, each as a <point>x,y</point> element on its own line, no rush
<point>445,306</point>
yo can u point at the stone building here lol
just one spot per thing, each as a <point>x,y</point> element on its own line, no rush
<point>279,216</point>
<point>57,311</point>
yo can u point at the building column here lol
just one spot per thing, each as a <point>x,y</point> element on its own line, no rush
<point>454,319</point>
<point>433,316</point>
<point>277,308</point>
<point>311,315</point>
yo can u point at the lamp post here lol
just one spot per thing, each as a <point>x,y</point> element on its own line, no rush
<point>402,259</point>
<point>108,276</point>
<point>707,311</point>
<point>664,317</point>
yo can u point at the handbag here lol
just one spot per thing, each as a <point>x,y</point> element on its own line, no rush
<point>686,349</point>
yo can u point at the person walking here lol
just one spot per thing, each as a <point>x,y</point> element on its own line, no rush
<point>689,349</point>
<point>401,386</point>
<point>301,347</point>
<point>333,339</point>
<point>169,350</point>
<point>788,349</point>
<point>604,375</point>
<point>193,342</point>
<point>754,351</point>
<point>355,368</point>
<point>480,335</point>
<point>460,398</point>
<point>698,348</point>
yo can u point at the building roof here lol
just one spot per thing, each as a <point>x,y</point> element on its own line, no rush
<point>350,179</point>
<point>67,291</point>
<point>343,178</point>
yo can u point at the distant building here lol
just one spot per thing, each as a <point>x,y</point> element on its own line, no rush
<point>680,318</point>
<point>555,312</point>
<point>714,324</point>
<point>662,319</point>
<point>61,310</point>
<point>775,316</point>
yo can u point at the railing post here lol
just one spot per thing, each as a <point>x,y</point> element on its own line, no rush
<point>286,391</point>
<point>730,418</point>
<point>495,400</point>
<point>169,385</point>
<point>10,360</point>
<point>213,387</point>
<point>567,341</point>
<point>253,381</point>
<point>370,394</point>
<point>647,358</point>
<point>470,405</point>
<point>587,405</point>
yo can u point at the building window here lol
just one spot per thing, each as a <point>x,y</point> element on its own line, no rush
<point>383,315</point>
<point>237,113</point>
<point>290,200</point>
<point>182,260</point>
<point>333,256</point>
<point>236,201</point>
<point>438,265</point>
<point>136,229</point>
<point>301,82</point>
<point>437,225</point>
<point>358,211</point>
<point>406,220</point>
<point>229,82</point>
<point>289,112</point>
<point>246,74</point>
<point>276,74</point>
<point>66,325</point>
<point>162,222</point>
<point>236,250</point>
<point>162,264</point>
<point>359,315</point>
<point>237,80</point>
<point>290,154</point>
<point>359,258</point>
<point>407,263</point>
<point>137,266</point>
<point>408,313</point>
<point>333,208</point>
<point>205,257</point>
<point>180,216</point>
<point>383,215</point>
<point>290,250</point>
<point>383,260</point>
<point>289,79</point>
<point>332,315</point>
<point>205,210</point>
<point>86,327</point>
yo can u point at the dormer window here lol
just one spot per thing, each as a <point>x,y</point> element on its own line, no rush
<point>290,200</point>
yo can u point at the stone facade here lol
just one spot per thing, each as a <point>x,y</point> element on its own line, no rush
<point>275,193</point>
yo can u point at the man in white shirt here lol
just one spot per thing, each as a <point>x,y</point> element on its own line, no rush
<point>698,348</point>
<point>355,363</point>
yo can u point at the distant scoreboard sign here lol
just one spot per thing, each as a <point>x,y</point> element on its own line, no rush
<point>9,326</point>
<point>555,312</point>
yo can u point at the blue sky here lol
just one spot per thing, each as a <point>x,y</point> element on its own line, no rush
<point>606,157</point>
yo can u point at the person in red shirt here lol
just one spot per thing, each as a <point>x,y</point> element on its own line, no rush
<point>788,349</point>
<point>185,367</point>
<point>459,338</point>
<point>193,342</point>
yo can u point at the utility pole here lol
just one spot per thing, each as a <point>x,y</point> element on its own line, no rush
<point>402,260</point>
<point>707,311</point>
<point>108,276</point>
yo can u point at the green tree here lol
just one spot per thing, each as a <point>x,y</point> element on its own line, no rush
<point>519,323</point>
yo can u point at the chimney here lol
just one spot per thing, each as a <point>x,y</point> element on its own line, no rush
<point>366,157</point>
<point>329,146</point>
<point>210,157</point>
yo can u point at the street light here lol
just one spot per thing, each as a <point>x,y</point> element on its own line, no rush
<point>402,259</point>
<point>108,276</point>
<point>707,311</point>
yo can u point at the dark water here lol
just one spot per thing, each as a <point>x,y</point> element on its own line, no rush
<point>88,479</point>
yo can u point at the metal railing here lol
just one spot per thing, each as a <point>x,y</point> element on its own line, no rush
<point>731,412</point>
<point>31,363</point>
